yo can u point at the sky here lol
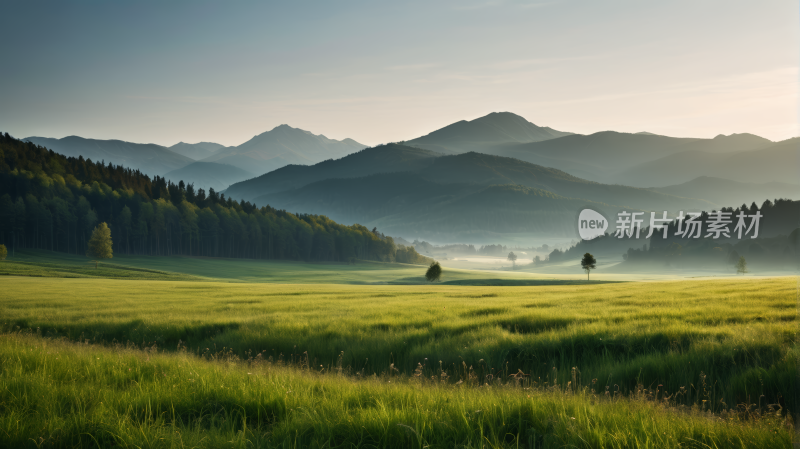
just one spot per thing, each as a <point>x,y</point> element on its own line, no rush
<point>387,71</point>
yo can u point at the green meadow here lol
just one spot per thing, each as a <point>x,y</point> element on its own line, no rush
<point>38,263</point>
<point>171,352</point>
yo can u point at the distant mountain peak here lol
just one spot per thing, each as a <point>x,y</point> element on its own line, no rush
<point>283,145</point>
<point>496,128</point>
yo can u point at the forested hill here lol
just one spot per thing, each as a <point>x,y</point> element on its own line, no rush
<point>50,201</point>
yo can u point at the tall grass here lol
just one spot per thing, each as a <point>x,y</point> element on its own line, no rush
<point>59,394</point>
<point>739,335</point>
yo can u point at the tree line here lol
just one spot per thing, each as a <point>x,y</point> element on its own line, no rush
<point>53,202</point>
<point>776,245</point>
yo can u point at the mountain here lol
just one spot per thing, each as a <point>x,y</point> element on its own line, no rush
<point>727,193</point>
<point>207,175</point>
<point>149,158</point>
<point>283,146</point>
<point>407,203</point>
<point>468,169</point>
<point>486,170</point>
<point>776,162</point>
<point>472,191</point>
<point>196,151</point>
<point>381,159</point>
<point>605,156</point>
<point>488,131</point>
<point>499,209</point>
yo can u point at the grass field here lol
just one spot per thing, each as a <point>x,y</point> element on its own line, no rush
<point>57,394</point>
<point>707,346</point>
<point>53,264</point>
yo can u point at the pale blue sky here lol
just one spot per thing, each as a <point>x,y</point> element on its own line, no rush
<point>376,71</point>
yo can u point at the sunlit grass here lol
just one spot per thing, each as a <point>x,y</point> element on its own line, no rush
<point>53,264</point>
<point>740,334</point>
<point>59,394</point>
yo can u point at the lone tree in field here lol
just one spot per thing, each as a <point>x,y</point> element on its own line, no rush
<point>3,252</point>
<point>741,266</point>
<point>100,243</point>
<point>588,263</point>
<point>434,272</point>
<point>513,258</point>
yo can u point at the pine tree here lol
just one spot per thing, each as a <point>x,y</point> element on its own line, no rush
<point>100,244</point>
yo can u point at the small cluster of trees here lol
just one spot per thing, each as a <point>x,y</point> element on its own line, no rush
<point>773,252</point>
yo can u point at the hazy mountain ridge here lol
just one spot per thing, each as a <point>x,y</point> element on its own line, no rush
<point>776,162</point>
<point>448,191</point>
<point>196,151</point>
<point>490,130</point>
<point>496,209</point>
<point>467,169</point>
<point>149,158</point>
<point>608,156</point>
<point>281,146</point>
<point>207,175</point>
<point>727,193</point>
<point>381,159</point>
<point>634,159</point>
<point>409,204</point>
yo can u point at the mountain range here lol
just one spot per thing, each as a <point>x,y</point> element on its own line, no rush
<point>149,158</point>
<point>221,166</point>
<point>196,151</point>
<point>727,193</point>
<point>773,162</point>
<point>620,158</point>
<point>411,191</point>
<point>497,128</point>
<point>494,174</point>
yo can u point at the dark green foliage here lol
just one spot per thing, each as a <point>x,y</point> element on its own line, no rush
<point>49,201</point>
<point>588,263</point>
<point>434,272</point>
